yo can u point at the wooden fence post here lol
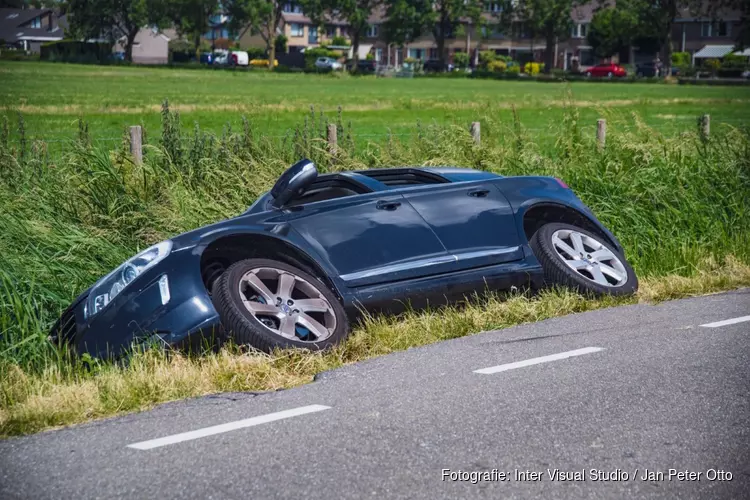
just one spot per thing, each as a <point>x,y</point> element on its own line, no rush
<point>704,126</point>
<point>601,132</point>
<point>332,139</point>
<point>475,132</point>
<point>136,144</point>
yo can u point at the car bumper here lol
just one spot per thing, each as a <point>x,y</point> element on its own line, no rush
<point>142,315</point>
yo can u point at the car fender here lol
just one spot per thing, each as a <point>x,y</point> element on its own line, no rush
<point>281,232</point>
<point>524,193</point>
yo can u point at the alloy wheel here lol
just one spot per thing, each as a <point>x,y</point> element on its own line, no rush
<point>590,258</point>
<point>295,309</point>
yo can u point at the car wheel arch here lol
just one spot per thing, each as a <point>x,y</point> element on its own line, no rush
<point>225,250</point>
<point>539,214</point>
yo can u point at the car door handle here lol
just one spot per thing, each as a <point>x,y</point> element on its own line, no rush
<point>387,205</point>
<point>479,193</point>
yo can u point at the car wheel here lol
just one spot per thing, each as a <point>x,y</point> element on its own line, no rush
<point>584,261</point>
<point>269,304</point>
<point>609,75</point>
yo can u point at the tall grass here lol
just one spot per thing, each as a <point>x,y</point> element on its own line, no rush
<point>680,206</point>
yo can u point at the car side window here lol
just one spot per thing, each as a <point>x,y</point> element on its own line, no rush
<point>328,189</point>
<point>401,178</point>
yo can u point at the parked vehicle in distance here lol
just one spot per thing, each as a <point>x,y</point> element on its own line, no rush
<point>328,63</point>
<point>239,58</point>
<point>308,256</point>
<point>363,65</point>
<point>436,66</point>
<point>645,69</point>
<point>608,70</point>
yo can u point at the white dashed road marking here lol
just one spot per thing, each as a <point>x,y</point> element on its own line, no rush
<point>218,429</point>
<point>536,361</point>
<point>726,322</point>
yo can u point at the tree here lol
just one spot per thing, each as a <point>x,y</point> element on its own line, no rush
<point>613,29</point>
<point>261,16</point>
<point>406,20</point>
<point>549,19</point>
<point>355,12</point>
<point>112,19</point>
<point>192,18</point>
<point>448,13</point>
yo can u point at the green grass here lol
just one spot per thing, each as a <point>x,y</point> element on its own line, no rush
<point>679,205</point>
<point>52,96</point>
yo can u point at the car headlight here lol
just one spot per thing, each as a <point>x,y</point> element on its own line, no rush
<point>109,287</point>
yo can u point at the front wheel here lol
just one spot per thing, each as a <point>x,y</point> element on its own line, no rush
<point>269,304</point>
<point>581,260</point>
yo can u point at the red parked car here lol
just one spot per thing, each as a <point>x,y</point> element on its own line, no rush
<point>606,69</point>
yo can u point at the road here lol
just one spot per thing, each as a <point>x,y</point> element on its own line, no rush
<point>605,393</point>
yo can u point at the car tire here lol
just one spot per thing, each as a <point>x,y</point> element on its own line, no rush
<point>609,75</point>
<point>588,274</point>
<point>243,296</point>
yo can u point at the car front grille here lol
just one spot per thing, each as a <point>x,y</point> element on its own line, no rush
<point>64,329</point>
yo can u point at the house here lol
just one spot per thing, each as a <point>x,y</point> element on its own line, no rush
<point>299,30</point>
<point>705,38</point>
<point>28,29</point>
<point>151,46</point>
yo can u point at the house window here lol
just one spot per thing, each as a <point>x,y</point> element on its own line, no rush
<point>416,53</point>
<point>312,35</point>
<point>292,8</point>
<point>36,22</point>
<point>433,54</point>
<point>492,7</point>
<point>330,31</point>
<point>579,30</point>
<point>719,28</point>
<point>372,31</point>
<point>297,29</point>
<point>378,55</point>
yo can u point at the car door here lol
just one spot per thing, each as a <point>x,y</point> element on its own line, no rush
<point>371,238</point>
<point>473,220</point>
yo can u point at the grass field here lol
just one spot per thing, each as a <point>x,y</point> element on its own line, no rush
<point>53,96</point>
<point>677,202</point>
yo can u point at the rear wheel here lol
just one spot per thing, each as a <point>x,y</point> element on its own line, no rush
<point>269,304</point>
<point>581,260</point>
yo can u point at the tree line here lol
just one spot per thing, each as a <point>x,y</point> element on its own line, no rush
<point>616,25</point>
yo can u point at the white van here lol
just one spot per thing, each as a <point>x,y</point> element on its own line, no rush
<point>238,58</point>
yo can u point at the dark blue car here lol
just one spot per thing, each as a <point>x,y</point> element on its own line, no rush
<point>313,253</point>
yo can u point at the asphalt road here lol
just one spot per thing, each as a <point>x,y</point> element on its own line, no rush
<point>603,393</point>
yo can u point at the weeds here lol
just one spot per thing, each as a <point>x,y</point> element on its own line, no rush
<point>680,206</point>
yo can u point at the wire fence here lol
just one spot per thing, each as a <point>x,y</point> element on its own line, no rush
<point>60,143</point>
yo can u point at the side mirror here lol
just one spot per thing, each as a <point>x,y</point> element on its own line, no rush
<point>293,182</point>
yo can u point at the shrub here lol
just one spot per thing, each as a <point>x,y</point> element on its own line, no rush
<point>461,59</point>
<point>75,51</point>
<point>485,58</point>
<point>712,65</point>
<point>514,70</point>
<point>732,61</point>
<point>256,53</point>
<point>340,41</point>
<point>497,66</point>
<point>280,44</point>
<point>680,58</point>
<point>532,68</point>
